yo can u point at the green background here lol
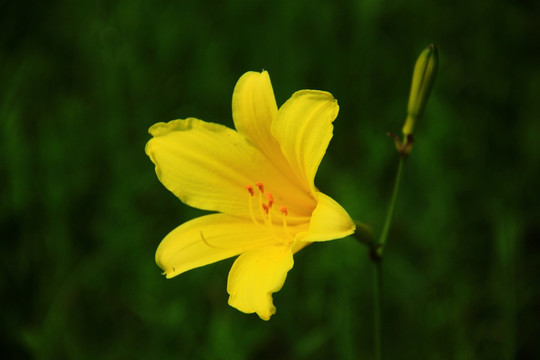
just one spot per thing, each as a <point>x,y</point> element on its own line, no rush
<point>82,211</point>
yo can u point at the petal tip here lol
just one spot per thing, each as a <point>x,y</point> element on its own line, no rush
<point>267,316</point>
<point>329,221</point>
<point>263,314</point>
<point>169,271</point>
<point>168,274</point>
<point>253,75</point>
<point>163,128</point>
<point>159,128</point>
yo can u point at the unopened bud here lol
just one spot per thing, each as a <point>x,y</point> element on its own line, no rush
<point>422,82</point>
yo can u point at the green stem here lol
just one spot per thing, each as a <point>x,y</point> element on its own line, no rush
<point>364,234</point>
<point>388,221</point>
<point>376,252</point>
<point>377,285</point>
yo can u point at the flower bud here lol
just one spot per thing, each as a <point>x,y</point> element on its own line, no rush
<point>422,82</point>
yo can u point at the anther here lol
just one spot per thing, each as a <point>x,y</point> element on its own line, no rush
<point>264,210</point>
<point>270,199</point>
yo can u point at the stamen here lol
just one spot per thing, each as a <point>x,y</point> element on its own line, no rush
<point>284,214</point>
<point>269,218</point>
<point>264,219</point>
<point>251,214</point>
<point>270,199</point>
<point>262,210</point>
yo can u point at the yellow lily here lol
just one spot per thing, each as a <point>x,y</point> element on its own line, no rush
<point>260,181</point>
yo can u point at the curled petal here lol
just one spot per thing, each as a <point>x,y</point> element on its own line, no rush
<point>329,221</point>
<point>255,275</point>
<point>303,128</point>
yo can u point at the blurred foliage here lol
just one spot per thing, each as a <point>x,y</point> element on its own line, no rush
<point>82,212</point>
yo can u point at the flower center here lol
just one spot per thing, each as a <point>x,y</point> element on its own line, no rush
<point>263,210</point>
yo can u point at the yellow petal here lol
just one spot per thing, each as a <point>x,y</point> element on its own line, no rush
<point>206,165</point>
<point>299,245</point>
<point>208,239</point>
<point>257,274</point>
<point>329,221</point>
<point>303,128</point>
<point>254,108</point>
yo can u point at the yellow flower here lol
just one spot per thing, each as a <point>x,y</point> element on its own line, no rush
<point>260,181</point>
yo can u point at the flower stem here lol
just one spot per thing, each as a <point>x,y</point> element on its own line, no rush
<point>377,285</point>
<point>364,235</point>
<point>390,212</point>
<point>376,253</point>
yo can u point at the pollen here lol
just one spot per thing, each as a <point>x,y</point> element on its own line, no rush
<point>260,186</point>
<point>250,189</point>
<point>284,211</point>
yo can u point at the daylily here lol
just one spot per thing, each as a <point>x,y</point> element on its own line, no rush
<point>260,181</point>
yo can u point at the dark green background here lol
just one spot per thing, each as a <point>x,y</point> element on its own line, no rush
<point>82,211</point>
